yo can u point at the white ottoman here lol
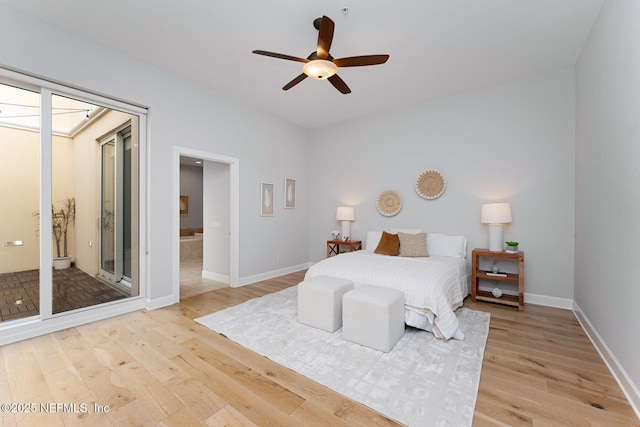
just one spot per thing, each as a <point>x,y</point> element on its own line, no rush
<point>373,316</point>
<point>320,302</point>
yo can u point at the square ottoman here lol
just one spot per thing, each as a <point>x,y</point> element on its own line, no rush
<point>320,302</point>
<point>373,316</point>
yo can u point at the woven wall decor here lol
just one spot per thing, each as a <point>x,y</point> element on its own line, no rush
<point>430,184</point>
<point>389,203</point>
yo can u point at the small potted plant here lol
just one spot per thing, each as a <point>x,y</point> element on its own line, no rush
<point>512,247</point>
<point>60,220</point>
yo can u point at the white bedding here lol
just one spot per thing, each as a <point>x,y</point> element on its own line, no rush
<point>433,286</point>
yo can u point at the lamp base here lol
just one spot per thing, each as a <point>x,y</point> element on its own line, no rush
<point>346,232</point>
<point>495,238</point>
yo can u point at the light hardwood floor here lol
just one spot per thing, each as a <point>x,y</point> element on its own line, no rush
<point>191,281</point>
<point>161,368</point>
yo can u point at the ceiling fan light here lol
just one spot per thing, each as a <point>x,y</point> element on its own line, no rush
<point>320,69</point>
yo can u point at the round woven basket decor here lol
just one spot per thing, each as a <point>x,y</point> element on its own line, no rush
<point>389,203</point>
<point>430,184</point>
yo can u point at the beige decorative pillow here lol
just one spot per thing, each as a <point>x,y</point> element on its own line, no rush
<point>413,245</point>
<point>388,245</point>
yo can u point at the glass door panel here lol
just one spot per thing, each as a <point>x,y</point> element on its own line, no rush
<point>108,214</point>
<point>20,196</point>
<point>90,167</point>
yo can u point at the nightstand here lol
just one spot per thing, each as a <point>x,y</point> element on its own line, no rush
<point>333,246</point>
<point>477,274</point>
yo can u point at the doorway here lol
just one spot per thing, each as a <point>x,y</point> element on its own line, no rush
<point>206,223</point>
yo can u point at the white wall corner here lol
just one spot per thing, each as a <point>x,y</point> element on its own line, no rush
<point>224,278</point>
<point>271,274</point>
<point>564,303</point>
<point>628,387</point>
<point>152,304</point>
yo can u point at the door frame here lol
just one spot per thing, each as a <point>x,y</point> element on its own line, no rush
<point>234,180</point>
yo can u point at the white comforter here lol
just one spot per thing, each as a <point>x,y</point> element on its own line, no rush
<point>433,286</point>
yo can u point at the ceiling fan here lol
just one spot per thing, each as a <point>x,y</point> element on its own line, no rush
<point>320,65</point>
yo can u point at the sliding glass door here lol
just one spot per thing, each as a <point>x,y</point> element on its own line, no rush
<point>70,187</point>
<point>118,208</point>
<point>20,196</point>
<point>96,166</point>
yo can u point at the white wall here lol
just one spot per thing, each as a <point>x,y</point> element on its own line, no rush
<point>215,256</point>
<point>607,288</point>
<point>191,185</point>
<point>180,113</point>
<point>513,143</point>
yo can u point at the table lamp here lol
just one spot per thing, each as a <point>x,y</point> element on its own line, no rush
<point>345,214</point>
<point>495,214</point>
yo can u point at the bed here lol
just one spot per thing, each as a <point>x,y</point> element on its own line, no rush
<point>434,286</point>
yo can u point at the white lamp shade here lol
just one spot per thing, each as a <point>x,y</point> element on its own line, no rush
<point>345,213</point>
<point>496,213</point>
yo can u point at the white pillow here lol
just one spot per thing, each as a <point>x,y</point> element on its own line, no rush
<point>373,238</point>
<point>439,244</point>
<point>405,230</point>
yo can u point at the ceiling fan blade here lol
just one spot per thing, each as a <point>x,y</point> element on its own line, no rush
<point>294,82</point>
<point>359,61</point>
<point>339,84</point>
<point>325,37</point>
<point>280,56</point>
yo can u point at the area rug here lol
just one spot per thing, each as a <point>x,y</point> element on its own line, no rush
<point>422,381</point>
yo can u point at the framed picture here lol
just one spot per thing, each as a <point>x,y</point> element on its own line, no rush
<point>184,205</point>
<point>267,197</point>
<point>289,193</point>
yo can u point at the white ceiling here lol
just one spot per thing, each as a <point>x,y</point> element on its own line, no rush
<point>436,47</point>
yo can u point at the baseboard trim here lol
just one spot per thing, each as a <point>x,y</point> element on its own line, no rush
<point>548,301</point>
<point>30,328</point>
<point>152,304</point>
<point>224,278</point>
<point>271,274</point>
<point>628,387</point>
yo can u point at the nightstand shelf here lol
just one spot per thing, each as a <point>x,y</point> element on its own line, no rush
<point>333,246</point>
<point>516,278</point>
<point>510,277</point>
<point>504,299</point>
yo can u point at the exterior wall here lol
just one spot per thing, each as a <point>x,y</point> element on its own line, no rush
<point>20,194</point>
